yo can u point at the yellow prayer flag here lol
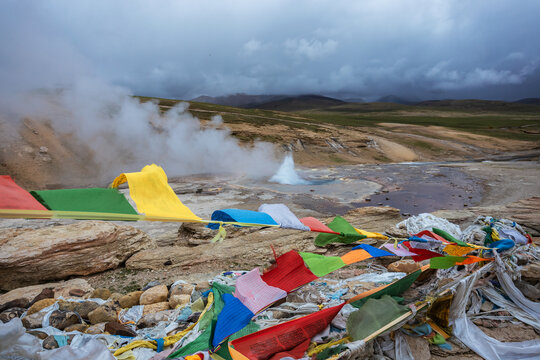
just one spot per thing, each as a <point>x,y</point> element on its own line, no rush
<point>152,194</point>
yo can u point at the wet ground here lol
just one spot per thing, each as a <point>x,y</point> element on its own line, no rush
<point>411,187</point>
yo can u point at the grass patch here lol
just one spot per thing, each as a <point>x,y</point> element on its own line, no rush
<point>336,159</point>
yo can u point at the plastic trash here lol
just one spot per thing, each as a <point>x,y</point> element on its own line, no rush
<point>15,343</point>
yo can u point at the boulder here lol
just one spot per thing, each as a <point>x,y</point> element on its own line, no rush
<point>17,303</point>
<point>115,328</point>
<point>531,271</point>
<point>41,304</point>
<point>76,327</point>
<point>102,314</point>
<point>61,288</point>
<point>195,234</point>
<point>181,289</point>
<point>115,297</point>
<point>11,313</point>
<point>131,299</point>
<point>29,256</point>
<point>153,308</point>
<point>101,293</point>
<point>50,343</point>
<point>154,295</point>
<point>151,320</point>
<point>96,329</point>
<point>176,300</point>
<point>39,334</point>
<point>47,293</point>
<point>33,321</point>
<point>62,319</point>
<point>82,308</point>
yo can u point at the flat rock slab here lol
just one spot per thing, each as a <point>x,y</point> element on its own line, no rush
<point>31,256</point>
<point>61,288</point>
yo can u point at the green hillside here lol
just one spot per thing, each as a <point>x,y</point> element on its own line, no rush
<point>493,118</point>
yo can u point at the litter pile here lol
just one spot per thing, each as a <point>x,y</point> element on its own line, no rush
<point>438,287</point>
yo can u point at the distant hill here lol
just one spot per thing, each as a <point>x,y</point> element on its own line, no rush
<point>530,101</point>
<point>238,100</point>
<point>475,105</point>
<point>299,103</point>
<point>397,100</point>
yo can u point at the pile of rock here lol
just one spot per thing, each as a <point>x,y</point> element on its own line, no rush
<point>79,308</point>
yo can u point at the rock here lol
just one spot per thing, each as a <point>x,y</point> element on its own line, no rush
<point>202,286</point>
<point>33,321</point>
<point>154,295</point>
<point>17,303</point>
<point>151,320</point>
<point>102,314</point>
<point>50,343</point>
<point>7,315</point>
<point>96,329</point>
<point>39,334</point>
<point>194,234</point>
<point>532,292</point>
<point>77,327</point>
<point>82,308</point>
<point>101,293</point>
<point>130,299</point>
<point>176,300</point>
<point>29,256</point>
<point>115,328</point>
<point>115,297</point>
<point>254,242</point>
<point>62,319</point>
<point>531,271</point>
<point>376,218</point>
<point>61,288</point>
<point>41,304</point>
<point>151,284</point>
<point>419,347</point>
<point>406,266</point>
<point>77,292</point>
<point>153,308</point>
<point>47,293</point>
<point>181,289</point>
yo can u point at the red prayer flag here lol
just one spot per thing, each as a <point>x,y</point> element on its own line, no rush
<point>291,337</point>
<point>289,272</point>
<point>317,226</point>
<point>12,196</point>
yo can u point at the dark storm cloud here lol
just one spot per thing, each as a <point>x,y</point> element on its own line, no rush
<point>422,48</point>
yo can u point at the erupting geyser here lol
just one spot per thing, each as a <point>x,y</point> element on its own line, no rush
<point>287,174</point>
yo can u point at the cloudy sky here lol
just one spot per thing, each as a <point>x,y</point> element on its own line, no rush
<point>357,49</point>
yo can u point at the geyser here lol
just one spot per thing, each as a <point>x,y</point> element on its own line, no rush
<point>287,174</point>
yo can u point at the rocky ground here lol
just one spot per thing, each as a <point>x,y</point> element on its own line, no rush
<point>116,260</point>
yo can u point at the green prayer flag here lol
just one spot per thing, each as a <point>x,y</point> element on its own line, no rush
<point>444,262</point>
<point>321,265</point>
<point>347,233</point>
<point>373,315</point>
<point>207,323</point>
<point>449,237</point>
<point>394,289</point>
<point>87,200</point>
